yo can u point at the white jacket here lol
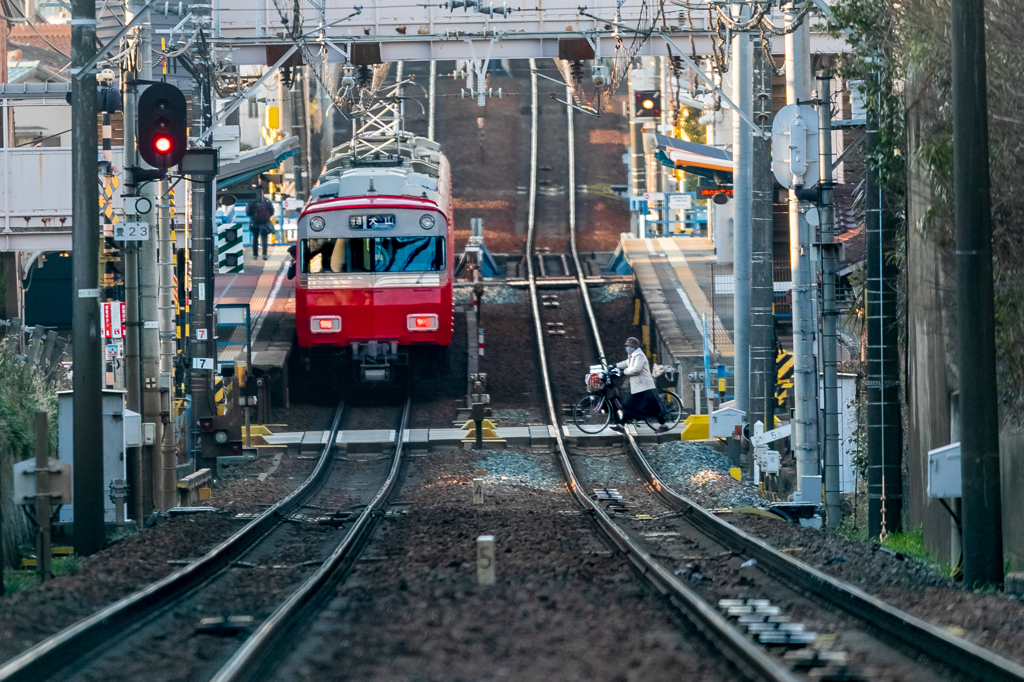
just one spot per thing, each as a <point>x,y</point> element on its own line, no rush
<point>638,371</point>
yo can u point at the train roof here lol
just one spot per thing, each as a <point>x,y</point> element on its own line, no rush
<point>403,166</point>
<point>373,202</point>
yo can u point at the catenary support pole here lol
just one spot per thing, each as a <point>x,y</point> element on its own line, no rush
<point>885,467</point>
<point>141,489</point>
<point>87,379</point>
<point>202,242</point>
<point>168,444</point>
<point>762,330</point>
<point>638,172</point>
<point>149,335</point>
<point>805,369</point>
<point>433,100</point>
<point>743,141</point>
<point>979,410</point>
<point>829,310</point>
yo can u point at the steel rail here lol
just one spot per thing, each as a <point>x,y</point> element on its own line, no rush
<point>749,658</point>
<point>63,649</point>
<point>968,659</point>
<point>250,661</point>
<point>572,233</point>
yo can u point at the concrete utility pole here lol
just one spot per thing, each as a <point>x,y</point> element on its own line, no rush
<point>805,369</point>
<point>637,175</point>
<point>149,335</point>
<point>979,410</point>
<point>885,466</point>
<point>298,117</point>
<point>829,309</point>
<point>86,337</point>
<point>742,155</point>
<point>433,100</point>
<point>167,445</point>
<point>141,491</point>
<point>762,324</point>
<point>202,241</point>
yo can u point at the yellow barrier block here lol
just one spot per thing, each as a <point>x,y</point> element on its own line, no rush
<point>205,493</point>
<point>471,425</point>
<point>697,428</point>
<point>736,473</point>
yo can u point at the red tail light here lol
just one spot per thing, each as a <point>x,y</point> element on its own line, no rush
<point>325,324</point>
<point>422,323</point>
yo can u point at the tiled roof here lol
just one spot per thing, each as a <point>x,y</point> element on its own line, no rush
<point>56,37</point>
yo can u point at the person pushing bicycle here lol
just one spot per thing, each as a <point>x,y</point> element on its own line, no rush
<point>642,402</point>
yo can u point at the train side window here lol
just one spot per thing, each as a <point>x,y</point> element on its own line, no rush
<point>408,254</point>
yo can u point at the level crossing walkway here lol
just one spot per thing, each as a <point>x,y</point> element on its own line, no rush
<point>265,286</point>
<point>674,278</point>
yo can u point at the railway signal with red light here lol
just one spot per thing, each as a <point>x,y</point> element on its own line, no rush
<point>162,125</point>
<point>647,104</point>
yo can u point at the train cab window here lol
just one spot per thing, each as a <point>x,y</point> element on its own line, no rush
<point>408,254</point>
<point>336,255</point>
<point>376,254</point>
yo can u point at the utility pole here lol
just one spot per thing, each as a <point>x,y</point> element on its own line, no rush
<point>638,176</point>
<point>829,309</point>
<point>85,235</point>
<point>167,445</point>
<point>149,334</point>
<point>299,130</point>
<point>885,465</point>
<point>202,241</point>
<point>432,100</point>
<point>141,491</point>
<point>742,150</point>
<point>805,369</point>
<point>762,329</point>
<point>979,410</point>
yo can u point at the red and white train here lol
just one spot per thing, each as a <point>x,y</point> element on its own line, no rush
<point>375,257</point>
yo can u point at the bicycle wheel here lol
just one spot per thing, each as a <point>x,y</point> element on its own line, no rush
<point>591,414</point>
<point>671,409</point>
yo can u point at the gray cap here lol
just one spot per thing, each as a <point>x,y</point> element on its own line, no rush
<point>632,342</point>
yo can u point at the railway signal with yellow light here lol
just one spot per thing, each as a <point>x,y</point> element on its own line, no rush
<point>647,104</point>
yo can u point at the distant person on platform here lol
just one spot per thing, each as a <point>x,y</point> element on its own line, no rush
<point>643,399</point>
<point>260,212</point>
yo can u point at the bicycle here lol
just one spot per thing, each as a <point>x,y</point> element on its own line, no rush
<point>593,412</point>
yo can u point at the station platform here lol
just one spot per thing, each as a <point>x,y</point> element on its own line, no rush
<point>675,281</point>
<point>542,437</point>
<point>265,286</point>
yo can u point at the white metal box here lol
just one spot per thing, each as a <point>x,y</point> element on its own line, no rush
<point>113,445</point>
<point>944,471</point>
<point>724,422</point>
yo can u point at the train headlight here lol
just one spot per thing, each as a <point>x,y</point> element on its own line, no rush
<point>426,221</point>
<point>316,223</point>
<point>325,324</point>
<point>421,323</point>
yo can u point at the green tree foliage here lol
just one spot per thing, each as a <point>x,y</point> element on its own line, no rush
<point>22,394</point>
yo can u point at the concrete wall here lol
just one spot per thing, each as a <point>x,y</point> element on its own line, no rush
<point>932,379</point>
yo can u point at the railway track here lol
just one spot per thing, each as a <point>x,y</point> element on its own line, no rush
<point>777,600</point>
<point>748,657</point>
<point>186,625</point>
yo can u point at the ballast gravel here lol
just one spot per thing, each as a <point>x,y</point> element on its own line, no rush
<point>563,606</point>
<point>701,473</point>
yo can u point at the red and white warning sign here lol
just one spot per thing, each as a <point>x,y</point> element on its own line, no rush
<point>113,313</point>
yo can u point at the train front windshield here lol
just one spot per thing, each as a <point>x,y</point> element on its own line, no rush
<point>373,254</point>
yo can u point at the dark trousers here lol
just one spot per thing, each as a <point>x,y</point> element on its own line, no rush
<point>257,237</point>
